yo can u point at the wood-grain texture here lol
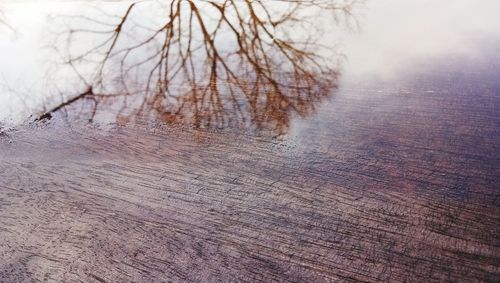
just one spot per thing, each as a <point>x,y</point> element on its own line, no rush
<point>387,183</point>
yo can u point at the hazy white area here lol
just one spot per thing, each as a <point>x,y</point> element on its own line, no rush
<point>385,41</point>
<point>390,40</point>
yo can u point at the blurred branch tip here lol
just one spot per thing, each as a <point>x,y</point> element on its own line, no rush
<point>5,24</point>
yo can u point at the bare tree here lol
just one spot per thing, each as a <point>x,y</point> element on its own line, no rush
<point>208,63</point>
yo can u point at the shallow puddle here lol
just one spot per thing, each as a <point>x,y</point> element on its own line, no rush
<point>292,141</point>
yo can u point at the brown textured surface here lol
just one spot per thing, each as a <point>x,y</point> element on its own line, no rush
<point>390,178</point>
<point>389,183</point>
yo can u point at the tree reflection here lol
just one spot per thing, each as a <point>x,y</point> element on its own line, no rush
<point>206,63</point>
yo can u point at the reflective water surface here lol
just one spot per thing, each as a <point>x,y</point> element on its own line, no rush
<point>220,141</point>
<point>205,64</point>
<point>219,64</point>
